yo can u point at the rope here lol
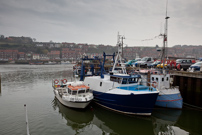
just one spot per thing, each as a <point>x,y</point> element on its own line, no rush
<point>193,107</point>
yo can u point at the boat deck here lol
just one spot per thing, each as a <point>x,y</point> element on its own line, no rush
<point>138,88</point>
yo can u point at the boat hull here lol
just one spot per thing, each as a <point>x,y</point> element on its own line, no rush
<point>170,101</point>
<point>70,103</point>
<point>138,104</point>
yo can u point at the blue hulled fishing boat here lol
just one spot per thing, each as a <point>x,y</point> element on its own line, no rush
<point>121,92</point>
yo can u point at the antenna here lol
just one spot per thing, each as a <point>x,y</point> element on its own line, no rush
<point>166,7</point>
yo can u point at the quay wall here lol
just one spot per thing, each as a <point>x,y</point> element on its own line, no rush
<point>190,85</point>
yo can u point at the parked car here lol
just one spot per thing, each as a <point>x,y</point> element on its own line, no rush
<point>160,65</point>
<point>154,64</point>
<point>131,62</point>
<point>167,64</point>
<point>183,64</point>
<point>196,67</point>
<point>144,62</point>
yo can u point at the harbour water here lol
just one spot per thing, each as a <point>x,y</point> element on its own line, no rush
<point>32,85</point>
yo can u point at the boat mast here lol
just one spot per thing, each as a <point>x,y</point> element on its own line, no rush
<point>165,39</point>
<point>119,54</point>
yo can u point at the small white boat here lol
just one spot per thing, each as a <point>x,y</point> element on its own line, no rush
<point>50,63</point>
<point>72,94</point>
<point>65,62</point>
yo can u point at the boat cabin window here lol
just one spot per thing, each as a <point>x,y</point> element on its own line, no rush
<point>167,78</point>
<point>74,92</point>
<point>162,79</point>
<point>81,91</point>
<point>152,78</point>
<point>133,80</point>
<point>112,78</point>
<point>87,90</point>
<point>100,83</point>
<point>119,80</point>
<point>115,79</point>
<point>125,81</point>
<point>69,91</point>
<point>157,79</point>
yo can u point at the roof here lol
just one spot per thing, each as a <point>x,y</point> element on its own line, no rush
<point>126,76</point>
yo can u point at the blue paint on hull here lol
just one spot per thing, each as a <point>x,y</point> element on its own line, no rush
<point>131,104</point>
<point>170,101</point>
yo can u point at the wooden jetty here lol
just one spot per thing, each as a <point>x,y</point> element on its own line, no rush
<point>190,84</point>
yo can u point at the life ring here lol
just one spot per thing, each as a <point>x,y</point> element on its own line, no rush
<point>154,84</point>
<point>56,81</point>
<point>64,81</point>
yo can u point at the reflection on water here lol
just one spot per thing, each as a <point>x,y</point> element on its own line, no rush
<point>191,119</point>
<point>114,123</point>
<point>32,84</point>
<point>104,121</point>
<point>77,119</point>
<point>164,122</point>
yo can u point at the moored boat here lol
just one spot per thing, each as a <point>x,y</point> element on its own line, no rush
<point>72,94</point>
<point>169,96</point>
<point>121,92</point>
<point>50,63</point>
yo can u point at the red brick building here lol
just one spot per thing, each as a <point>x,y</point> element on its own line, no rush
<point>54,55</point>
<point>9,54</point>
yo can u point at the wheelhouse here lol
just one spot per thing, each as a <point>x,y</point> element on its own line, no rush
<point>75,90</point>
<point>125,79</point>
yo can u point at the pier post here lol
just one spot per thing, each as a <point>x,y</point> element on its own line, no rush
<point>0,83</point>
<point>198,91</point>
<point>148,79</point>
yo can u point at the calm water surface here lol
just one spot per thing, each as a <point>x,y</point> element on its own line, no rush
<point>32,85</point>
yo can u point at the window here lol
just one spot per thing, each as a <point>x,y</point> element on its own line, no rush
<point>167,78</point>
<point>189,61</point>
<point>74,92</point>
<point>81,91</point>
<point>124,81</point>
<point>152,78</point>
<point>157,79</point>
<point>100,83</point>
<point>69,91</point>
<point>162,79</point>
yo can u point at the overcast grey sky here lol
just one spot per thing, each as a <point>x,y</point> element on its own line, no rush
<point>99,21</point>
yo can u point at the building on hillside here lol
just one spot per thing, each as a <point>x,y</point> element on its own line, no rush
<point>43,57</point>
<point>9,54</point>
<point>68,45</point>
<point>54,55</point>
<point>21,56</point>
<point>35,56</point>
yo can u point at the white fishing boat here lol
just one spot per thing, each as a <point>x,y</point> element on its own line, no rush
<point>169,96</point>
<point>121,92</point>
<point>72,94</point>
